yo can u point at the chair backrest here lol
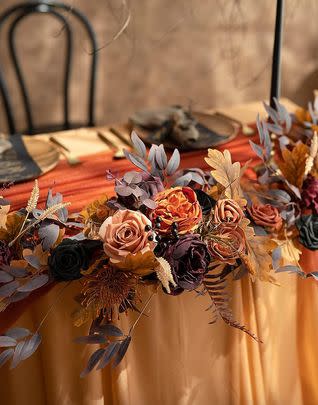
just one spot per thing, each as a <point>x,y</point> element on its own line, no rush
<point>15,15</point>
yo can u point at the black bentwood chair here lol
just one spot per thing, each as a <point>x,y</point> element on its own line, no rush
<point>15,15</point>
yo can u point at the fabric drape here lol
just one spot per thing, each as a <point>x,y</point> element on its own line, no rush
<point>176,357</point>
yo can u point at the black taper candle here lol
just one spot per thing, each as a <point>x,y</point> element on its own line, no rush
<point>276,64</point>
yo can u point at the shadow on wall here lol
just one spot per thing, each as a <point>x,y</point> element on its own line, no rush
<point>304,91</point>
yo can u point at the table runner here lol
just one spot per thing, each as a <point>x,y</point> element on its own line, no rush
<point>178,358</point>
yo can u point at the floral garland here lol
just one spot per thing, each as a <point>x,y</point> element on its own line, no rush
<point>175,230</point>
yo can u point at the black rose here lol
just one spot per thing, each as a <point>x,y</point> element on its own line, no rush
<point>70,257</point>
<point>308,231</point>
<point>189,260</point>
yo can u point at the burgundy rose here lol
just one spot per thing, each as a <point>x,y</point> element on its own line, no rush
<point>310,194</point>
<point>189,259</point>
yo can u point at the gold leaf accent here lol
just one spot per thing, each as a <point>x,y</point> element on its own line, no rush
<point>225,172</point>
<point>259,258</point>
<point>164,274</point>
<point>294,163</point>
<point>140,263</point>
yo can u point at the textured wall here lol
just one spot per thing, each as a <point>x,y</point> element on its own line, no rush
<point>207,52</point>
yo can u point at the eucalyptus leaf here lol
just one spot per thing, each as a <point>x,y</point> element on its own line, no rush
<point>93,360</point>
<point>7,341</point>
<point>132,177</point>
<point>5,356</point>
<point>289,268</point>
<point>34,283</point>
<point>18,333</point>
<point>49,234</point>
<point>257,149</point>
<point>109,353</point>
<point>17,356</point>
<point>30,346</point>
<point>109,330</point>
<point>5,277</point>
<point>136,160</point>
<point>122,351</point>
<point>8,289</point>
<point>18,272</point>
<point>161,157</point>
<point>173,163</point>
<point>183,180</point>
<point>138,145</point>
<point>33,261</point>
<point>150,203</point>
<point>91,339</point>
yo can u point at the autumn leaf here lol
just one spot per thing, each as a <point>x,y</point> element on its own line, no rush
<point>294,163</point>
<point>290,254</point>
<point>141,264</point>
<point>13,225</point>
<point>225,172</point>
<point>259,258</point>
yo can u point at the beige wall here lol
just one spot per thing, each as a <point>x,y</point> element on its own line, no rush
<point>209,52</point>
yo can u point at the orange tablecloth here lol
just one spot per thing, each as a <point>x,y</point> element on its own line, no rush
<point>82,184</point>
<point>176,357</point>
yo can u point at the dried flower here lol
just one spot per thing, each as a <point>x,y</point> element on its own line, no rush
<point>228,210</point>
<point>228,244</point>
<point>310,194</point>
<point>163,271</point>
<point>126,232</point>
<point>266,215</point>
<point>97,211</point>
<point>138,188</point>
<point>189,259</point>
<point>70,257</point>
<point>107,287</point>
<point>177,205</point>
<point>308,231</point>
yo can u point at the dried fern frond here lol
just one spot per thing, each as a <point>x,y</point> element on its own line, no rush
<point>312,154</point>
<point>215,284</point>
<point>34,197</point>
<point>164,274</point>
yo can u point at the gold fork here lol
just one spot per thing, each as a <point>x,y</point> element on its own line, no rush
<point>71,159</point>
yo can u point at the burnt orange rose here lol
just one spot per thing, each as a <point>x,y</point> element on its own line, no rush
<point>266,215</point>
<point>126,233</point>
<point>228,244</point>
<point>177,205</point>
<point>228,210</point>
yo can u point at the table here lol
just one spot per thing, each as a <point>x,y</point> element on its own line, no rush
<point>176,358</point>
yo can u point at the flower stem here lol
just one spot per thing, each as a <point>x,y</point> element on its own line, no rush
<point>140,315</point>
<point>57,299</point>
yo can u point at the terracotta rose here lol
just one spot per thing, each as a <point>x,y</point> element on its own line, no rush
<point>228,210</point>
<point>266,215</point>
<point>230,243</point>
<point>125,233</point>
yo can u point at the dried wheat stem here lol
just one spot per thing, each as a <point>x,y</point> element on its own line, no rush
<point>49,211</point>
<point>312,154</point>
<point>33,200</point>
